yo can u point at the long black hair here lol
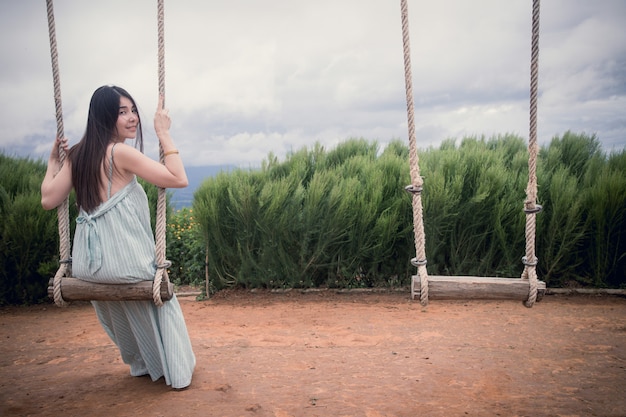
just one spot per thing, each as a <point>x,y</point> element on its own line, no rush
<point>88,156</point>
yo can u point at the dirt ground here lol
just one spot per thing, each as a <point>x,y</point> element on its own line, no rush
<point>331,354</point>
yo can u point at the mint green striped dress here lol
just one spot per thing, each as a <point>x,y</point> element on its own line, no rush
<point>114,244</point>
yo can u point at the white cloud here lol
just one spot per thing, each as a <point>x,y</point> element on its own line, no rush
<point>245,78</point>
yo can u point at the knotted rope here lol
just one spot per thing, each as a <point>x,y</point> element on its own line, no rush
<point>162,263</point>
<point>63,213</point>
<point>531,208</point>
<point>416,180</point>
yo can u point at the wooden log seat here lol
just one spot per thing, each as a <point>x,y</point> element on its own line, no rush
<point>465,287</point>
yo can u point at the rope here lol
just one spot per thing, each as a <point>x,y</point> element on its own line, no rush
<point>63,210</point>
<point>416,179</point>
<point>161,272</point>
<point>531,207</point>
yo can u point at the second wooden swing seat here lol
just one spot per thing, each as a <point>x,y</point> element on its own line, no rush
<point>527,288</point>
<point>466,287</point>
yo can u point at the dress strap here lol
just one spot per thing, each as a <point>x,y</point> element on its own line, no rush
<point>110,172</point>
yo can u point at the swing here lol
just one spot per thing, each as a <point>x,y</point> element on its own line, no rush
<point>527,288</point>
<point>64,288</point>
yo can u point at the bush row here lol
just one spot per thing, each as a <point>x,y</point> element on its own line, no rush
<point>340,218</point>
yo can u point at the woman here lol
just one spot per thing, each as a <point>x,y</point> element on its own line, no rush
<point>113,242</point>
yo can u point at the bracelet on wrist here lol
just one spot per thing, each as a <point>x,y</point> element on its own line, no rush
<point>172,152</point>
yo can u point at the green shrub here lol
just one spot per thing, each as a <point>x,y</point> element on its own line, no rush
<point>28,235</point>
<point>318,219</point>
<point>473,200</point>
<point>340,218</point>
<point>584,233</point>
<point>185,248</point>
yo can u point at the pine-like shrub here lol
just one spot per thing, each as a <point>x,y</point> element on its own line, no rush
<point>340,218</point>
<point>28,235</point>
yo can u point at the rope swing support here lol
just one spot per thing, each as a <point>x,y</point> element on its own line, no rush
<point>527,288</point>
<point>64,288</point>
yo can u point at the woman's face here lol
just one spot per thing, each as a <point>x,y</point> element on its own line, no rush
<point>127,120</point>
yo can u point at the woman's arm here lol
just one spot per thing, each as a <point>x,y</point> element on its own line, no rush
<point>56,185</point>
<point>172,173</point>
<point>169,175</point>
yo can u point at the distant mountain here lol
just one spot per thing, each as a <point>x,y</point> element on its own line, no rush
<point>183,197</point>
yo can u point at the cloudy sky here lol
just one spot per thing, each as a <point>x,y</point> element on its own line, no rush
<point>249,77</point>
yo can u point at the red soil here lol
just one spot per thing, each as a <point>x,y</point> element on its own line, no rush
<point>329,354</point>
